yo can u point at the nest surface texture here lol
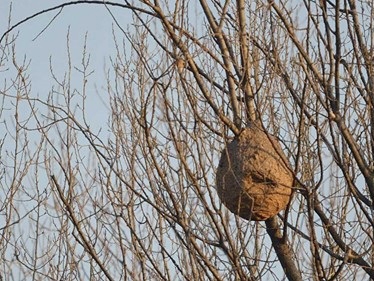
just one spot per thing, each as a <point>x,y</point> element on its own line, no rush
<point>253,177</point>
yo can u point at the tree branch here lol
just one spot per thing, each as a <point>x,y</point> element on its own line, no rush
<point>283,250</point>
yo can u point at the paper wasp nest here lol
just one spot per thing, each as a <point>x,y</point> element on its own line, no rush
<point>253,180</point>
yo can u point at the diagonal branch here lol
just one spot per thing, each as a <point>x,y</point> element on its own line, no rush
<point>283,250</point>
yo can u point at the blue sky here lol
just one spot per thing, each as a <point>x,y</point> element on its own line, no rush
<point>79,20</point>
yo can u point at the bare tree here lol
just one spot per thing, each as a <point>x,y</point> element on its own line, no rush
<point>136,200</point>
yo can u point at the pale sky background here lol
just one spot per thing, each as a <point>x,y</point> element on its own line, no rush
<point>94,20</point>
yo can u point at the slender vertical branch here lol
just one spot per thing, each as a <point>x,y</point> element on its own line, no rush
<point>227,59</point>
<point>245,61</point>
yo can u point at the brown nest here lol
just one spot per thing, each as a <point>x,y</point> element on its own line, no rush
<point>253,177</point>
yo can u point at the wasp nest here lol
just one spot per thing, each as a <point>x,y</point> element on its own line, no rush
<point>253,177</point>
